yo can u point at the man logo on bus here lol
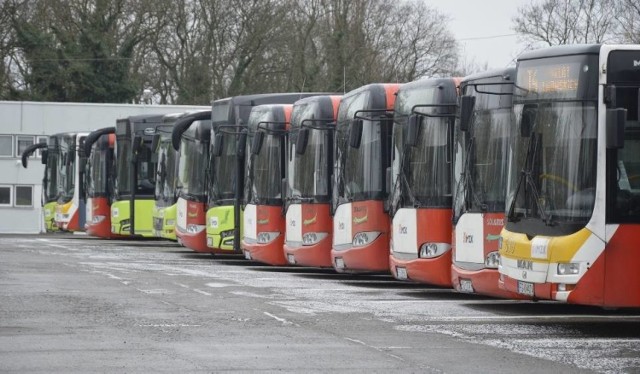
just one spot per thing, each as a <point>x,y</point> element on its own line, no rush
<point>402,229</point>
<point>636,63</point>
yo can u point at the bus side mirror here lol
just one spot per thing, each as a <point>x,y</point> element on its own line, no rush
<point>45,154</point>
<point>616,119</point>
<point>154,142</point>
<point>242,143</point>
<point>216,150</point>
<point>301,142</point>
<point>413,129</point>
<point>137,143</point>
<point>467,104</point>
<point>528,120</point>
<point>387,180</point>
<point>256,144</point>
<point>355,135</point>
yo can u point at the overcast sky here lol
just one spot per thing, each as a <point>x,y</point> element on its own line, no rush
<point>479,26</point>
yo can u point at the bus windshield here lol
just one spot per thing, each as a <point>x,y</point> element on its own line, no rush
<point>266,170</point>
<point>51,190</point>
<point>360,173</point>
<point>166,171</point>
<point>66,168</point>
<point>309,171</point>
<point>96,173</point>
<point>426,167</point>
<point>145,178</point>
<point>192,169</point>
<point>223,171</point>
<point>553,173</point>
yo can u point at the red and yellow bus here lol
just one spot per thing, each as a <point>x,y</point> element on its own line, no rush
<point>70,206</point>
<point>264,221</point>
<point>573,196</point>
<point>424,119</point>
<point>362,154</point>
<point>309,225</point>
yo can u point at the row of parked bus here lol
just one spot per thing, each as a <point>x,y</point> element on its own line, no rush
<point>517,183</point>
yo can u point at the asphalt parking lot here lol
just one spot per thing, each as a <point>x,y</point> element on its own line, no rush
<point>71,303</point>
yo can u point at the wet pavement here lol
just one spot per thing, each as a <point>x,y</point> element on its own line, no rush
<point>70,303</point>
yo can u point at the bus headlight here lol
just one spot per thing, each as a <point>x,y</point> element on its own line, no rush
<point>194,229</point>
<point>568,268</point>
<point>267,237</point>
<point>492,260</point>
<point>364,238</point>
<point>97,219</point>
<point>431,250</point>
<point>312,238</point>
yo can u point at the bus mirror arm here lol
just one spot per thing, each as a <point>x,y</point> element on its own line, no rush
<point>616,119</point>
<point>302,140</point>
<point>256,143</point>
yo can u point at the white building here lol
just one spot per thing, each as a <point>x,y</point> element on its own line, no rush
<point>25,123</point>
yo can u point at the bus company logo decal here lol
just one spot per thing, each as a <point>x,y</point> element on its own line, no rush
<point>341,225</point>
<point>402,230</point>
<point>95,206</point>
<point>213,222</point>
<point>292,223</point>
<point>467,238</point>
<point>524,264</point>
<point>363,218</point>
<point>311,220</point>
<point>192,214</point>
<point>263,221</point>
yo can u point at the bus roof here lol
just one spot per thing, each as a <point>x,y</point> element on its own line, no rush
<point>561,50</point>
<point>507,74</point>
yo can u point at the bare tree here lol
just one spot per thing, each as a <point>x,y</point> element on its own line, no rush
<point>554,22</point>
<point>628,17</point>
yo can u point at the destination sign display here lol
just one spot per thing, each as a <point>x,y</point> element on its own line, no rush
<point>556,79</point>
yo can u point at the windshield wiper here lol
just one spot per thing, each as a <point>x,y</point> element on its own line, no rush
<point>466,184</point>
<point>527,178</point>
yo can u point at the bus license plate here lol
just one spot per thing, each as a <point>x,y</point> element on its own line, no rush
<point>401,273</point>
<point>525,288</point>
<point>339,263</point>
<point>466,286</point>
<point>291,259</point>
<point>247,255</point>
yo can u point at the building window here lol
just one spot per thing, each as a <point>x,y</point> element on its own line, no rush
<point>5,195</point>
<point>22,142</point>
<point>41,139</point>
<point>24,196</point>
<point>6,145</point>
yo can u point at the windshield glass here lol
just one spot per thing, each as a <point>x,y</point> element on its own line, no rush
<point>361,174</point>
<point>553,173</point>
<point>123,165</point>
<point>223,168</point>
<point>428,164</point>
<point>309,171</point>
<point>145,178</point>
<point>51,174</point>
<point>166,171</point>
<point>96,172</point>
<point>192,169</point>
<point>267,169</point>
<point>66,168</point>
